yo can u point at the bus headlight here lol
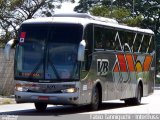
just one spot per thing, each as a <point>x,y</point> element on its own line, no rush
<point>26,87</point>
<point>70,90</point>
<point>20,88</point>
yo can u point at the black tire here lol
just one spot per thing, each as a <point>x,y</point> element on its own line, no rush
<point>136,100</point>
<point>40,106</point>
<point>95,101</point>
<point>128,101</point>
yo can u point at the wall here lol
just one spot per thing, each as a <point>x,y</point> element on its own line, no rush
<point>6,74</point>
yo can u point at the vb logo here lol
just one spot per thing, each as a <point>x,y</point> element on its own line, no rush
<point>102,67</point>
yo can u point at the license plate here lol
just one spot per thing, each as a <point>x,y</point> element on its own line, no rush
<point>43,98</point>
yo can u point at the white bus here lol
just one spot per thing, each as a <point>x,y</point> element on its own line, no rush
<point>79,59</point>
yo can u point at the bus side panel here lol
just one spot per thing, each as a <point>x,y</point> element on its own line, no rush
<point>124,72</point>
<point>149,76</point>
<point>100,72</point>
<point>118,76</point>
<point>145,71</point>
<point>103,63</point>
<point>152,76</point>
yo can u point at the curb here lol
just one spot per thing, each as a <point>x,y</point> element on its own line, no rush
<point>156,88</point>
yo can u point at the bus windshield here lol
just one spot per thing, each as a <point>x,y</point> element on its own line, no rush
<point>48,52</point>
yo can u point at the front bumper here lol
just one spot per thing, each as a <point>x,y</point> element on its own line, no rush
<point>57,99</point>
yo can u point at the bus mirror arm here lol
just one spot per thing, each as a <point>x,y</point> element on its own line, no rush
<point>7,49</point>
<point>81,50</point>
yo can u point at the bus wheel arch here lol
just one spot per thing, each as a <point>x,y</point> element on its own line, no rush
<point>141,85</point>
<point>138,95</point>
<point>96,98</point>
<point>99,86</point>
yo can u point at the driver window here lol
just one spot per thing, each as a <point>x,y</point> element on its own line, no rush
<point>88,37</point>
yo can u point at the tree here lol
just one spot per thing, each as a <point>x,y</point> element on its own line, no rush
<point>14,12</point>
<point>100,11</point>
<point>85,5</point>
<point>122,15</point>
<point>152,18</point>
<point>129,12</point>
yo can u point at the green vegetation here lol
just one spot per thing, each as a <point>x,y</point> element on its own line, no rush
<point>157,81</point>
<point>128,12</point>
<point>4,101</point>
<point>14,12</point>
<point>122,15</point>
<point>138,13</point>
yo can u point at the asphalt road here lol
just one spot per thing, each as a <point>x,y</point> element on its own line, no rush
<point>150,105</point>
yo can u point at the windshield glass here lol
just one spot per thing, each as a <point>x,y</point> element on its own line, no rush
<point>48,52</point>
<point>62,61</point>
<point>30,52</point>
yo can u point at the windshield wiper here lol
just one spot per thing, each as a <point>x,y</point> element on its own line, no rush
<point>54,69</point>
<point>52,65</point>
<point>35,69</point>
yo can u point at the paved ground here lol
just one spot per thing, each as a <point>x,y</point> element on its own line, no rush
<point>150,105</point>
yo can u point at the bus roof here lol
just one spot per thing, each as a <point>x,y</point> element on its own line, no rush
<point>84,19</point>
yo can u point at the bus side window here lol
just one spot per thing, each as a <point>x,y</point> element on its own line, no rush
<point>130,39</point>
<point>123,39</point>
<point>117,42</point>
<point>88,37</point>
<point>137,43</point>
<point>108,39</point>
<point>98,38</point>
<point>104,38</point>
<point>151,45</point>
<point>145,44</point>
<point>111,39</point>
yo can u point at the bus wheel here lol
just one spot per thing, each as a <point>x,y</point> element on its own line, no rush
<point>40,106</point>
<point>136,100</point>
<point>95,102</point>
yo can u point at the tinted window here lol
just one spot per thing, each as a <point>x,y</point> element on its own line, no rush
<point>123,38</point>
<point>137,43</point>
<point>110,39</point>
<point>88,37</point>
<point>118,42</point>
<point>48,51</point>
<point>130,39</point>
<point>98,35</point>
<point>66,33</point>
<point>151,47</point>
<point>145,44</point>
<point>30,51</point>
<point>104,38</point>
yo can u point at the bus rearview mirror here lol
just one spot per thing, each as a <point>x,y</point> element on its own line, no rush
<point>81,50</point>
<point>7,49</point>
